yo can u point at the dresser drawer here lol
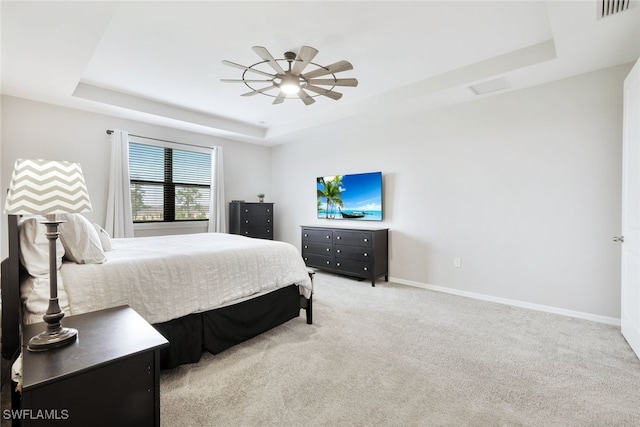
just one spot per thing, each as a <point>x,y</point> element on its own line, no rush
<point>258,232</point>
<point>358,253</point>
<point>314,235</point>
<point>116,405</point>
<point>353,267</point>
<point>256,221</point>
<point>319,261</point>
<point>257,209</point>
<point>356,238</point>
<point>325,249</point>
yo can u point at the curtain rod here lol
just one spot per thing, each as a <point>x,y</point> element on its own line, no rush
<point>109,132</point>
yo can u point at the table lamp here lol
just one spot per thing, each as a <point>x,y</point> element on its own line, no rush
<point>48,187</point>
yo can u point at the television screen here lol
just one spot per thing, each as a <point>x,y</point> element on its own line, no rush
<point>355,196</point>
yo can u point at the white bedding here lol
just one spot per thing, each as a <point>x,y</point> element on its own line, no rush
<point>167,277</point>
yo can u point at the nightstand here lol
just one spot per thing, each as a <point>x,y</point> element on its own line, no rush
<point>109,377</point>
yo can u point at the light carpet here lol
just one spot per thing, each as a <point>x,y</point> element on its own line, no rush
<point>394,355</point>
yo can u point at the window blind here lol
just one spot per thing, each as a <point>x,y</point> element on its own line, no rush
<point>169,184</point>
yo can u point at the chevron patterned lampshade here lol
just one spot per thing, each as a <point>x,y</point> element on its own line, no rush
<point>47,187</point>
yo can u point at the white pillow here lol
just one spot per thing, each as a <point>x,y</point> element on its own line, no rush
<point>80,240</point>
<point>34,246</point>
<point>105,239</point>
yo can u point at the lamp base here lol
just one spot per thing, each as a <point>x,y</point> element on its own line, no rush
<point>47,340</point>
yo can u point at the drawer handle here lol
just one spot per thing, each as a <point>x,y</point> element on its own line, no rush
<point>328,249</point>
<point>328,237</point>
<point>268,231</point>
<point>338,251</point>
<point>268,210</point>
<point>337,237</point>
<point>338,264</point>
<point>327,262</point>
<point>269,221</point>
<point>306,247</point>
<point>246,233</point>
<point>366,254</point>
<point>306,235</point>
<point>246,210</point>
<point>246,221</point>
<point>306,259</point>
<point>366,240</point>
<point>365,269</point>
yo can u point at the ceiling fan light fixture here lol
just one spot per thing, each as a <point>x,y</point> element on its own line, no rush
<point>290,82</point>
<point>290,86</point>
<point>290,89</point>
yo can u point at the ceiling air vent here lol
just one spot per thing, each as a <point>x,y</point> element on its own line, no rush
<point>611,7</point>
<point>489,86</point>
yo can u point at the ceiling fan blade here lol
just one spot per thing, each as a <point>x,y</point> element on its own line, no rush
<point>242,67</point>
<point>334,82</point>
<point>245,81</point>
<point>306,54</point>
<point>328,93</point>
<point>304,96</point>
<point>264,54</point>
<point>280,98</point>
<point>254,92</point>
<point>329,69</point>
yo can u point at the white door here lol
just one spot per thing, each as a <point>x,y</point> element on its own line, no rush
<point>630,306</point>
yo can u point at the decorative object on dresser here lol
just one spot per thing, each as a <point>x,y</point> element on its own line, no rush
<point>49,187</point>
<point>106,378</point>
<point>251,219</point>
<point>356,252</point>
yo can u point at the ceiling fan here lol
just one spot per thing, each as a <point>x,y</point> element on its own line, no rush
<point>292,82</point>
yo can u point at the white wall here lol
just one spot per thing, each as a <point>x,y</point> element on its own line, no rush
<point>37,130</point>
<point>524,187</point>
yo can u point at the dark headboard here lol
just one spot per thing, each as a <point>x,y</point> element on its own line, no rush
<point>11,305</point>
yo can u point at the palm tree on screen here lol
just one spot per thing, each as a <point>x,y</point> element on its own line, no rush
<point>331,192</point>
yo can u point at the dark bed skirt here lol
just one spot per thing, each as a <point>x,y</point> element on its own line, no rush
<point>217,330</point>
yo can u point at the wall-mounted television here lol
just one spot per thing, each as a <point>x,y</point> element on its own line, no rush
<point>354,196</point>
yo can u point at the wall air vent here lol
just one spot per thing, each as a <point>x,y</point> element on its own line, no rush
<point>611,7</point>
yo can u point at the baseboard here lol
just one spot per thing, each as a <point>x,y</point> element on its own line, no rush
<point>539,307</point>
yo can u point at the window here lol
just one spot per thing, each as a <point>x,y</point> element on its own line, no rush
<point>169,184</point>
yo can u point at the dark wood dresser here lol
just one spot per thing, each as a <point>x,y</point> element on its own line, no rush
<point>109,376</point>
<point>251,219</point>
<point>356,252</point>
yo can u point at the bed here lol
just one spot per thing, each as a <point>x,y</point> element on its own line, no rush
<point>203,292</point>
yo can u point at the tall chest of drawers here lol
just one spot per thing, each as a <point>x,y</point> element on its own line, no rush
<point>356,252</point>
<point>251,219</point>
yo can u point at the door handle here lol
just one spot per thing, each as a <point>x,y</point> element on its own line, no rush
<point>618,239</point>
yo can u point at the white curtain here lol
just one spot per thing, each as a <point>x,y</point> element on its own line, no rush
<point>119,220</point>
<point>217,207</point>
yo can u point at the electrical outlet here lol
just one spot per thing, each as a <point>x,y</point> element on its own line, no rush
<point>457,262</point>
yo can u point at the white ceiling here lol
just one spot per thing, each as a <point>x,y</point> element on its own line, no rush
<point>160,62</point>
